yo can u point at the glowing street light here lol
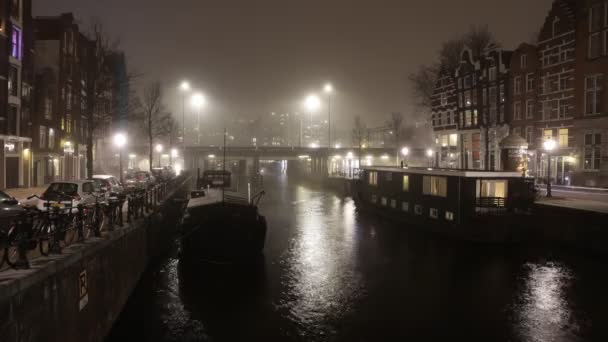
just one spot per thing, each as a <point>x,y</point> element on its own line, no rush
<point>312,103</point>
<point>159,149</point>
<point>404,152</point>
<point>120,140</point>
<point>430,153</point>
<point>198,102</point>
<point>549,146</point>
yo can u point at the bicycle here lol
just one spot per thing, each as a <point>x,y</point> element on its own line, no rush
<point>93,218</point>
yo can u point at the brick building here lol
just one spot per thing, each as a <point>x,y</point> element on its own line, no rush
<point>15,92</point>
<point>62,99</point>
<point>444,120</point>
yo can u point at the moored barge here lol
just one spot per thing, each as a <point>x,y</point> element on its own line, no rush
<point>467,204</point>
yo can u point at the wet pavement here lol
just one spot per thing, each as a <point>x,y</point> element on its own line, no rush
<point>330,273</point>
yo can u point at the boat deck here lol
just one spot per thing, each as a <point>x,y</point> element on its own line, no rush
<point>213,196</point>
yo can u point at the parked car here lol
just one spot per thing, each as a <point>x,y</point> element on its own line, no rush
<point>9,206</point>
<point>164,173</point>
<point>139,180</point>
<point>109,184</point>
<point>69,193</point>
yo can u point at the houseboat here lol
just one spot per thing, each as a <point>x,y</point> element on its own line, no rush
<point>468,204</point>
<point>221,225</point>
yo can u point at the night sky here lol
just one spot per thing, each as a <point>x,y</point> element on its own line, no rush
<point>254,57</point>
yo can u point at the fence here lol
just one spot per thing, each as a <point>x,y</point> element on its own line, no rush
<point>53,229</point>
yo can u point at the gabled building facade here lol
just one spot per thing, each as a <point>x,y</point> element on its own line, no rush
<point>444,120</point>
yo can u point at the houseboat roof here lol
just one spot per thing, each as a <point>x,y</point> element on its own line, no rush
<point>446,172</point>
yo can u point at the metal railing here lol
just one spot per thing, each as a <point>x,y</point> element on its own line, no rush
<point>490,202</point>
<point>56,228</point>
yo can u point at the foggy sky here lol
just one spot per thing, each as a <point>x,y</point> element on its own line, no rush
<point>253,57</point>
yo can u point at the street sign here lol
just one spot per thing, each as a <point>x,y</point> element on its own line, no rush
<point>83,286</point>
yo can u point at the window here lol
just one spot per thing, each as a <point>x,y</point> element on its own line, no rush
<point>492,96</point>
<point>433,213</point>
<point>88,188</point>
<point>384,201</point>
<point>51,138</point>
<point>449,216</point>
<point>393,204</point>
<point>418,209</point>
<point>12,120</point>
<point>529,109</point>
<point>555,26</point>
<point>484,96</point>
<point>406,183</point>
<point>492,74</point>
<point>48,108</point>
<point>435,186</point>
<point>530,135</point>
<point>502,93</point>
<point>530,82</point>
<point>13,81</point>
<point>593,151</point>
<point>444,99</point>
<point>517,85</point>
<point>453,140</point>
<point>517,131</point>
<point>563,109</point>
<point>563,138</point>
<point>68,100</point>
<point>492,188</point>
<point>373,178</point>
<point>523,61</point>
<point>597,37</point>
<point>388,176</point>
<point>16,43</point>
<point>548,134</point>
<point>593,94</point>
<point>42,137</point>
<point>517,111</point>
<point>374,199</point>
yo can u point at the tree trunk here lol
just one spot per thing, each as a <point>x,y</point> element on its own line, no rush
<point>150,141</point>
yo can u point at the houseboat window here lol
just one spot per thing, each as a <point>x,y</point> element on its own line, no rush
<point>434,213</point>
<point>384,201</point>
<point>449,216</point>
<point>389,176</point>
<point>374,199</point>
<point>418,209</point>
<point>373,178</point>
<point>405,206</point>
<point>435,186</point>
<point>492,188</point>
<point>393,204</point>
<point>406,183</point>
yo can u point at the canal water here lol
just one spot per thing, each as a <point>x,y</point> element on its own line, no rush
<point>330,273</point>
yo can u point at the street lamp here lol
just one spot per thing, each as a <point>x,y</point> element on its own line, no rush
<point>312,104</point>
<point>329,89</point>
<point>159,149</point>
<point>173,155</point>
<point>429,153</point>
<point>549,146</point>
<point>120,140</point>
<point>404,152</point>
<point>184,87</point>
<point>198,102</point>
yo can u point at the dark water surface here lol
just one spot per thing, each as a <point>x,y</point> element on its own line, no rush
<point>332,274</point>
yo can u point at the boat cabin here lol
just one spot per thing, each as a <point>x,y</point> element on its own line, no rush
<point>214,179</point>
<point>445,195</point>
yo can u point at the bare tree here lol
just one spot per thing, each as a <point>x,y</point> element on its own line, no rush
<point>359,134</point>
<point>423,84</point>
<point>157,121</point>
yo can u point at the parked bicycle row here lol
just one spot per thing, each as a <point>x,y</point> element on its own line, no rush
<point>69,212</point>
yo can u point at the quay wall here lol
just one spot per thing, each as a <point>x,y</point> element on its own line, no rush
<point>78,295</point>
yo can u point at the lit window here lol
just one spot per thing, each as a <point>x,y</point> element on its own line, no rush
<point>393,204</point>
<point>384,201</point>
<point>418,209</point>
<point>16,43</point>
<point>434,213</point>
<point>373,178</point>
<point>435,186</point>
<point>406,183</point>
<point>563,137</point>
<point>405,206</point>
<point>449,216</point>
<point>491,189</point>
<point>453,140</point>
<point>524,61</point>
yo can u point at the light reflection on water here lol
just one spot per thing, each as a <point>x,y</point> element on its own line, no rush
<point>330,273</point>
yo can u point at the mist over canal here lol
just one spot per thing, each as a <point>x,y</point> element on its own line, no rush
<point>331,273</point>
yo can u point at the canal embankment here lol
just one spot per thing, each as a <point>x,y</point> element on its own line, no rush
<point>77,295</point>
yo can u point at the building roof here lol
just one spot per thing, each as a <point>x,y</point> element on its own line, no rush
<point>446,172</point>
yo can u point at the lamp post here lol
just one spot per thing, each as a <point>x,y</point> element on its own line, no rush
<point>312,103</point>
<point>172,156</point>
<point>329,89</point>
<point>159,149</point>
<point>184,88</point>
<point>429,153</point>
<point>549,146</point>
<point>198,101</point>
<point>120,140</point>
<point>404,152</point>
